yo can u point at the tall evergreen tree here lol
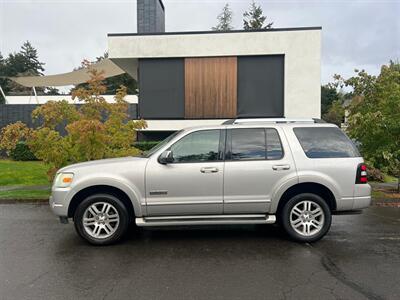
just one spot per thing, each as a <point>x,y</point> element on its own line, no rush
<point>254,18</point>
<point>224,19</point>
<point>23,63</point>
<point>51,91</point>
<point>31,57</point>
<point>329,95</point>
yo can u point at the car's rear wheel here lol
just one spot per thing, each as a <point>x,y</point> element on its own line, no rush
<point>101,219</point>
<point>306,217</point>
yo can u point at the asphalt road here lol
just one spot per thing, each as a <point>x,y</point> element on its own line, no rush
<point>42,259</point>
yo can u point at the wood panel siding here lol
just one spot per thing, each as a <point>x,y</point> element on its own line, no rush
<point>210,87</point>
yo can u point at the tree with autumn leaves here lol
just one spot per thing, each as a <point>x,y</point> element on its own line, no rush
<point>374,116</point>
<point>95,130</point>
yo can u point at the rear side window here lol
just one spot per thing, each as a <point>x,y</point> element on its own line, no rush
<point>274,146</point>
<point>325,142</point>
<point>248,143</point>
<point>254,144</point>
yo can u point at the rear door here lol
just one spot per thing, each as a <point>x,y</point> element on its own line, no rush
<point>256,161</point>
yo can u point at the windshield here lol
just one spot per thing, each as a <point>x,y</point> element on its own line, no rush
<point>161,144</point>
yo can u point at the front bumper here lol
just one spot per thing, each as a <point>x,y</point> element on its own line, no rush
<point>59,201</point>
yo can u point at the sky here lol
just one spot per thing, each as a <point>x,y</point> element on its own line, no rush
<point>355,34</point>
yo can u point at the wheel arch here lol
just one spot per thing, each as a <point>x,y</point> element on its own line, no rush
<point>307,187</point>
<point>83,193</point>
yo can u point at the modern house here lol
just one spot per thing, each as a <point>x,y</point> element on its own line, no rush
<point>193,78</point>
<point>197,78</point>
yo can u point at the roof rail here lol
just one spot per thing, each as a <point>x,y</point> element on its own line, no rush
<point>271,120</point>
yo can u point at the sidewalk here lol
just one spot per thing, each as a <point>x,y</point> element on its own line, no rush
<point>385,194</point>
<point>384,185</point>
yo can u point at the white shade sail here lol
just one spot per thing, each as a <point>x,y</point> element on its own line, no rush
<point>71,78</point>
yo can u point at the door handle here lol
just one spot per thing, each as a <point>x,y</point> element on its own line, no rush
<point>280,167</point>
<point>209,170</point>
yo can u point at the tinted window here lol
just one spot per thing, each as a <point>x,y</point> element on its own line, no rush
<point>325,142</point>
<point>197,146</point>
<point>248,143</point>
<point>274,146</point>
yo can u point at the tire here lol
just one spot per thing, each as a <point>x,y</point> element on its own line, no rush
<point>306,218</point>
<point>101,219</point>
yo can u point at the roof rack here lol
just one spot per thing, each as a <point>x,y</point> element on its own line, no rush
<point>271,120</point>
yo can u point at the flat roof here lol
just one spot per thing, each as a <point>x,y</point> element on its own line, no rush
<point>218,32</point>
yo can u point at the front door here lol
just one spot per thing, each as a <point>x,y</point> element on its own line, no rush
<point>255,164</point>
<point>193,183</point>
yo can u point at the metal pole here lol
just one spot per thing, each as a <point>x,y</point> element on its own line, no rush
<point>34,91</point>
<point>4,95</point>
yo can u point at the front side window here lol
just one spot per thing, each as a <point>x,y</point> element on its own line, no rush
<point>248,144</point>
<point>325,142</point>
<point>161,144</point>
<point>197,146</point>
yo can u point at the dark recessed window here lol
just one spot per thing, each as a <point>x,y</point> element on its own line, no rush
<point>325,142</point>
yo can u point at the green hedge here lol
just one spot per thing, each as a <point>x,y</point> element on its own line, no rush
<point>22,152</point>
<point>145,146</point>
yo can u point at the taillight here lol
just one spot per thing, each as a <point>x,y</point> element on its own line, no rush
<point>361,176</point>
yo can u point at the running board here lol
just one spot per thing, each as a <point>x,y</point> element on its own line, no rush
<point>205,220</point>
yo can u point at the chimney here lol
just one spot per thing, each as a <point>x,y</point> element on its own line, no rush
<point>150,16</point>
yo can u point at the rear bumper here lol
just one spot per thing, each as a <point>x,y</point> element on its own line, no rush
<point>362,199</point>
<point>361,202</point>
<point>358,203</point>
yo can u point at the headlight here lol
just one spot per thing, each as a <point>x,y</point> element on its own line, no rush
<point>63,180</point>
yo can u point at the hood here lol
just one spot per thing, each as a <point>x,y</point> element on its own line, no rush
<point>101,163</point>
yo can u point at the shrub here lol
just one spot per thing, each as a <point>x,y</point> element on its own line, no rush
<point>22,152</point>
<point>12,134</point>
<point>48,145</point>
<point>146,145</point>
<point>375,174</point>
<point>95,130</point>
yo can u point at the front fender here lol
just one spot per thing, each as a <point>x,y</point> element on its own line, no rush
<point>117,182</point>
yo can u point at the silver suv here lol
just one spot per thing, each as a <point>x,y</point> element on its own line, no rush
<point>296,173</point>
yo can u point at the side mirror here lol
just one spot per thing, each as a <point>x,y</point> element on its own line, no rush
<point>166,157</point>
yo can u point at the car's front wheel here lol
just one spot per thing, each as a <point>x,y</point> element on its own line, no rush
<point>101,219</point>
<point>306,217</point>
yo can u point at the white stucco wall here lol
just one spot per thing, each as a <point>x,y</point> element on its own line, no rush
<point>302,50</point>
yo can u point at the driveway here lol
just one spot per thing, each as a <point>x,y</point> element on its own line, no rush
<point>42,259</point>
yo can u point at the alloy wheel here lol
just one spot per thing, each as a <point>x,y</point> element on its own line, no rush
<point>307,218</point>
<point>101,220</point>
